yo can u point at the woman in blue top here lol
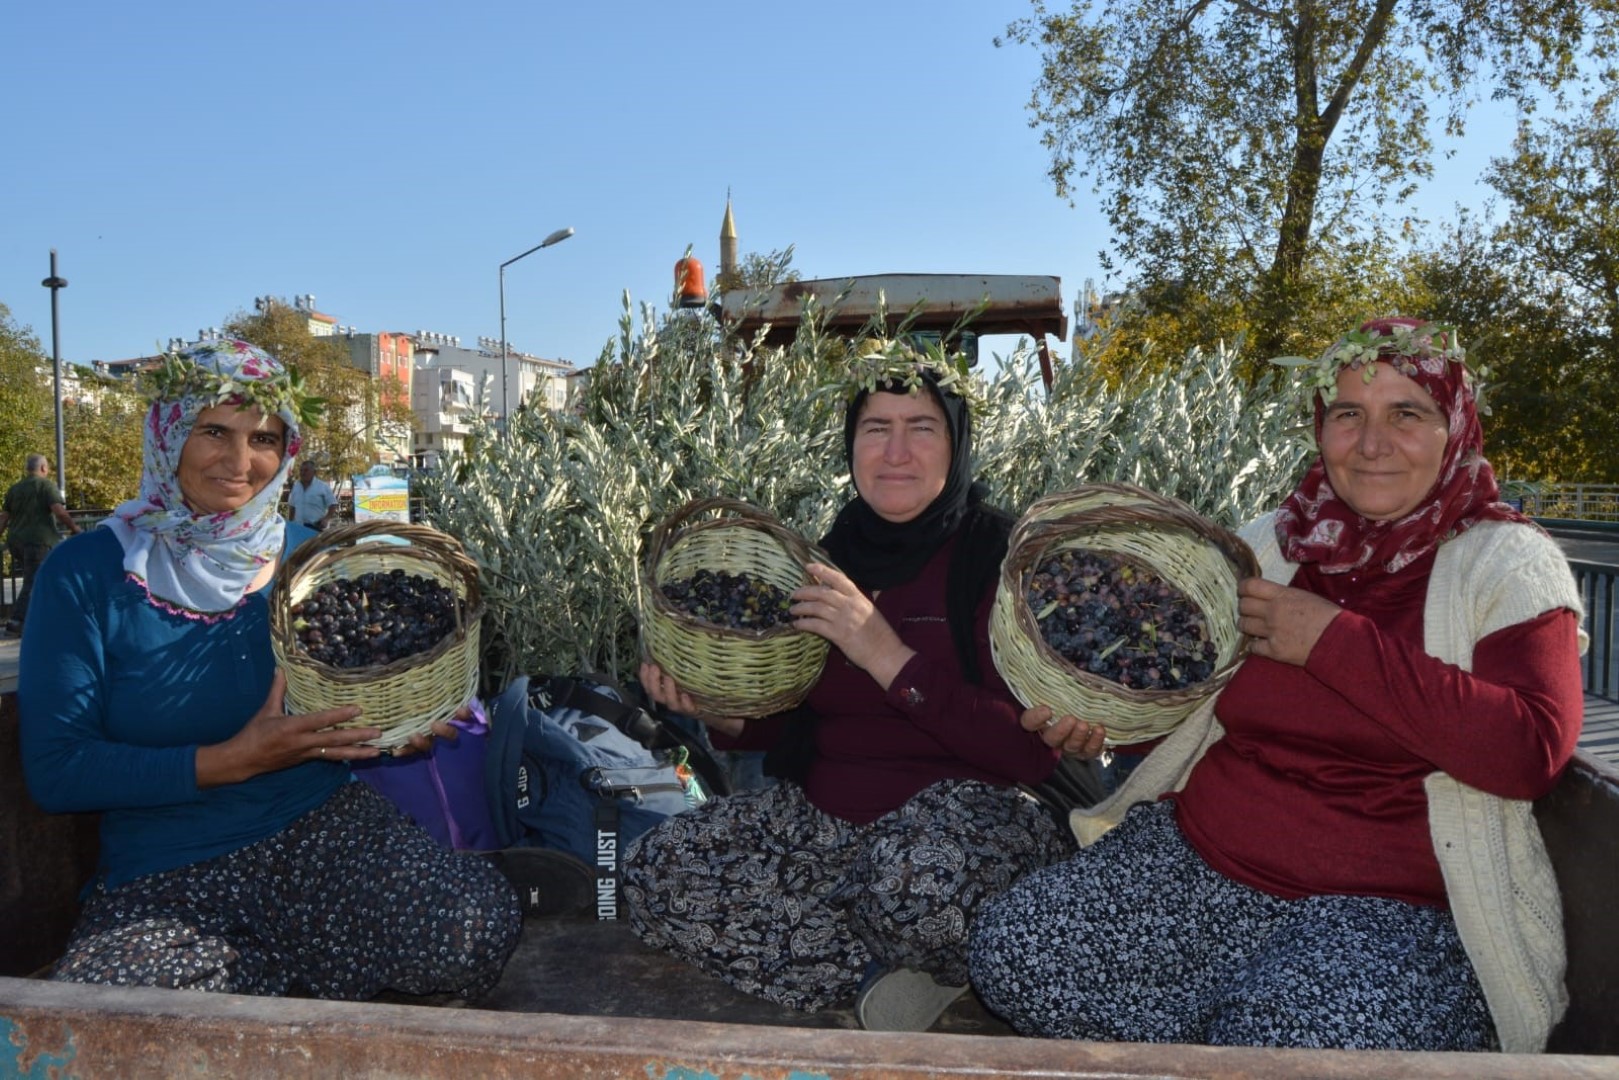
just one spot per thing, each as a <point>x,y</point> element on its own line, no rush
<point>236,853</point>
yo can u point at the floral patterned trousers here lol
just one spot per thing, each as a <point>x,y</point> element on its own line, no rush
<point>789,903</point>
<point>349,900</point>
<point>1137,939</point>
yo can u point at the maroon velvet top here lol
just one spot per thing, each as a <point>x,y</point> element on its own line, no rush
<point>876,749</point>
<point>1316,787</point>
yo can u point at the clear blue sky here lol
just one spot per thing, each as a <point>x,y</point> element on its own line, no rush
<point>186,157</point>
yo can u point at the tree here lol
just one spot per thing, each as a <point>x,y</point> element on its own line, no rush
<point>1539,294</point>
<point>1565,221</point>
<point>25,398</point>
<point>558,515</point>
<point>756,271</point>
<point>1238,143</point>
<point>341,442</point>
<point>104,433</point>
<point>1564,233</point>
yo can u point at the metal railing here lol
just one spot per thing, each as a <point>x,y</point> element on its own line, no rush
<point>1601,667</point>
<point>1575,502</point>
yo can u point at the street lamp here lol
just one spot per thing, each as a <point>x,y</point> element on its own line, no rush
<point>555,238</point>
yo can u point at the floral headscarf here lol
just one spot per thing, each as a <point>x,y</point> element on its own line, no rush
<point>1314,525</point>
<point>195,565</point>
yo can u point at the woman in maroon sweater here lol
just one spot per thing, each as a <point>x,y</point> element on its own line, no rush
<point>1316,867</point>
<point>903,815</point>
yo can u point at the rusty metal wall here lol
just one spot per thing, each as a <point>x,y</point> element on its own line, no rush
<point>63,1030</point>
<point>98,1031</point>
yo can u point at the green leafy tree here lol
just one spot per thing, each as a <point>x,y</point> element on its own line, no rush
<point>26,426</point>
<point>1539,295</point>
<point>1563,229</point>
<point>1237,144</point>
<point>103,432</point>
<point>341,442</point>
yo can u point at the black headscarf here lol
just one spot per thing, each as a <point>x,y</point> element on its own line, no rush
<point>877,553</point>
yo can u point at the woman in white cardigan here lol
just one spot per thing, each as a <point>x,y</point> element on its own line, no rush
<point>1340,849</point>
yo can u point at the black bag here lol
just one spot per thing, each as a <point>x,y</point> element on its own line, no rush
<point>1072,785</point>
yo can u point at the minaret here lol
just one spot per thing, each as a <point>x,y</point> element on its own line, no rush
<point>728,260</point>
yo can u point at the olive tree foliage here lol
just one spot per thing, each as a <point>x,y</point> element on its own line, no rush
<point>1195,428</point>
<point>759,271</point>
<point>1237,143</point>
<point>25,398</point>
<point>560,515</point>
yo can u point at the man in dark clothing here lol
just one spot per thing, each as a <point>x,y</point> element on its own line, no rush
<point>33,507</point>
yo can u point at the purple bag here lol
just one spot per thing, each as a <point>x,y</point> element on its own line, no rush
<point>443,791</point>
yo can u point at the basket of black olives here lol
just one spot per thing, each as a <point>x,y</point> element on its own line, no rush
<point>380,614</point>
<point>715,593</point>
<point>1119,605</point>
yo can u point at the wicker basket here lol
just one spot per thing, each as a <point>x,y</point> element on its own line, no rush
<point>1200,558</point>
<point>729,672</point>
<point>408,696</point>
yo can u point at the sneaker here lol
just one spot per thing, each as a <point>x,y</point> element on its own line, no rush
<point>549,883</point>
<point>903,1000</point>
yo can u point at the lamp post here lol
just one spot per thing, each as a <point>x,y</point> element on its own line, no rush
<point>56,283</point>
<point>555,238</point>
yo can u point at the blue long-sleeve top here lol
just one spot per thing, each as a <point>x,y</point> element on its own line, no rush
<point>115,697</point>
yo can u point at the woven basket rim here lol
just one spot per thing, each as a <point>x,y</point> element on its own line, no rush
<point>1063,521</point>
<point>801,655</point>
<point>439,554</point>
<point>674,529</point>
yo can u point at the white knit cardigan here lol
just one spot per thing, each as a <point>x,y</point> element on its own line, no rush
<point>1498,877</point>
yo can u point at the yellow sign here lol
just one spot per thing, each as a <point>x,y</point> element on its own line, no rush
<point>381,495</point>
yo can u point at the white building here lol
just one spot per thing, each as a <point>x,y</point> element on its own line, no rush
<point>534,380</point>
<point>445,401</point>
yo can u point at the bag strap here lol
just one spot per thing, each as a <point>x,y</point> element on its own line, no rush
<point>568,692</point>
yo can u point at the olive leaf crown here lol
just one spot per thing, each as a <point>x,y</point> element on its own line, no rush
<point>890,363</point>
<point>178,376</point>
<point>1401,348</point>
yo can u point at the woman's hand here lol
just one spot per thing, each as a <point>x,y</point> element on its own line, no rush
<point>1074,737</point>
<point>1284,623</point>
<point>444,729</point>
<point>663,689</point>
<point>272,740</point>
<point>837,610</point>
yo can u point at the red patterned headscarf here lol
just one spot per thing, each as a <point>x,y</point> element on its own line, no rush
<point>1314,525</point>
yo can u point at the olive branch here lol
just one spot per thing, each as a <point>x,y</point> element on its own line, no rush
<point>178,376</point>
<point>1402,348</point>
<point>890,363</point>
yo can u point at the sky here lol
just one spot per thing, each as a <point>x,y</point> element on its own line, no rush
<point>184,158</point>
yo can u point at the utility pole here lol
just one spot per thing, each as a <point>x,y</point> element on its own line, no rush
<point>55,283</point>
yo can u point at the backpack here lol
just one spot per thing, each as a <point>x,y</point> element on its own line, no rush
<point>562,773</point>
